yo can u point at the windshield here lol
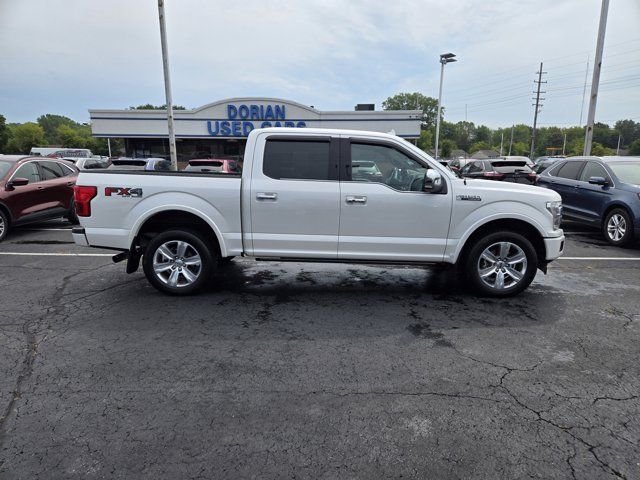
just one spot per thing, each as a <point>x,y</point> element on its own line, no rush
<point>4,168</point>
<point>627,172</point>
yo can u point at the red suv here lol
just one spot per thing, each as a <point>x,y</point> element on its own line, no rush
<point>34,189</point>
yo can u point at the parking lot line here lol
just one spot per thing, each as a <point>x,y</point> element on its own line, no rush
<point>599,258</point>
<point>46,254</point>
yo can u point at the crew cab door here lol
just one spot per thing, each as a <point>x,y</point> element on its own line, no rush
<point>295,197</point>
<point>384,213</point>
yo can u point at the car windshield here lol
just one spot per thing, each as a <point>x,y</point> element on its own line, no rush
<point>4,168</point>
<point>627,172</point>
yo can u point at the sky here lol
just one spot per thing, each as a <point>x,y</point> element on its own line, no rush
<point>67,56</point>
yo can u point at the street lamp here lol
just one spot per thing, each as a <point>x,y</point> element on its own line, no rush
<point>444,59</point>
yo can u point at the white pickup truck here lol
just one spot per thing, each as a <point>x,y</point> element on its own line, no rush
<point>324,196</point>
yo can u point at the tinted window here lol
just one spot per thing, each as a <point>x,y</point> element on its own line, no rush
<point>627,171</point>
<point>387,165</point>
<point>4,168</point>
<point>52,170</point>
<point>473,167</point>
<point>569,170</point>
<point>28,171</point>
<point>593,169</point>
<point>302,160</point>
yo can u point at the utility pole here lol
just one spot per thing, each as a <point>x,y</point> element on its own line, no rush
<point>618,149</point>
<point>167,86</point>
<point>584,91</point>
<point>501,142</point>
<point>564,144</point>
<point>595,82</point>
<point>109,146</point>
<point>537,110</point>
<point>511,141</point>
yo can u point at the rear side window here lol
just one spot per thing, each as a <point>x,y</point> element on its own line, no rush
<point>28,171</point>
<point>593,169</point>
<point>473,167</point>
<point>52,170</point>
<point>569,170</point>
<point>298,160</point>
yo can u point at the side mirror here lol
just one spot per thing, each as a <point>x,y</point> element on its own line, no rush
<point>598,181</point>
<point>18,182</point>
<point>433,182</point>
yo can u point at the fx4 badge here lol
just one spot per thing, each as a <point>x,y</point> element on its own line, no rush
<point>471,198</point>
<point>122,191</point>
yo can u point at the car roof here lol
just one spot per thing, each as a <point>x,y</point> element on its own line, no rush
<point>16,158</point>
<point>605,159</point>
<point>210,160</point>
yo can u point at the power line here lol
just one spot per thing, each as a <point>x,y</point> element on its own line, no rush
<point>537,106</point>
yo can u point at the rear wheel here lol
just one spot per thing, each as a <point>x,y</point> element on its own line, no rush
<point>618,227</point>
<point>71,216</point>
<point>179,262</point>
<point>4,225</point>
<point>501,264</point>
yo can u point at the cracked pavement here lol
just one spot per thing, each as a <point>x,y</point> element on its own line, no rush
<point>317,371</point>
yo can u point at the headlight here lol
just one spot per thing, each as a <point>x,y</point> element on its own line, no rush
<point>555,208</point>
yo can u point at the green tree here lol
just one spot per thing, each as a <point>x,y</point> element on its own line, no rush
<point>634,148</point>
<point>148,106</point>
<point>479,146</point>
<point>599,150</point>
<point>447,146</point>
<point>629,130</point>
<point>25,136</point>
<point>520,148</point>
<point>425,142</point>
<point>50,124</point>
<point>415,101</point>
<point>4,134</point>
<point>70,137</point>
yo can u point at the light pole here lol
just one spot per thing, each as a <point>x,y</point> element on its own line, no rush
<point>444,59</point>
<point>167,86</point>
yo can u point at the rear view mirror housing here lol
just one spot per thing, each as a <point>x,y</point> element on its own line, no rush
<point>598,181</point>
<point>17,182</point>
<point>433,182</point>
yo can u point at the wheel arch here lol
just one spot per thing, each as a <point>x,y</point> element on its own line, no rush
<point>177,218</point>
<point>612,207</point>
<point>524,228</point>
<point>7,211</point>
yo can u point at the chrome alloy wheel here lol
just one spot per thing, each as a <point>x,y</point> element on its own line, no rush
<point>502,265</point>
<point>616,227</point>
<point>177,263</point>
<point>2,226</point>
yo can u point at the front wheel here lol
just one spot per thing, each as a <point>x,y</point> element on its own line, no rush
<point>618,227</point>
<point>501,264</point>
<point>4,225</point>
<point>178,262</point>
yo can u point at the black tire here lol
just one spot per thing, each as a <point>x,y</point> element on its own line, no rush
<point>208,262</point>
<point>227,259</point>
<point>71,216</point>
<point>474,262</point>
<point>4,225</point>
<point>612,232</point>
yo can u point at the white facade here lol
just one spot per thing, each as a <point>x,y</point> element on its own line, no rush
<point>234,118</point>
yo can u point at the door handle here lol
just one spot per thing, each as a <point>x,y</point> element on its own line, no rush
<point>266,196</point>
<point>356,199</point>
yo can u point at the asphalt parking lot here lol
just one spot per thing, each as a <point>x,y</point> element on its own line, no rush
<point>316,371</point>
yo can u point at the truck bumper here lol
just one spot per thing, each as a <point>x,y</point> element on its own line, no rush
<point>79,236</point>
<point>554,247</point>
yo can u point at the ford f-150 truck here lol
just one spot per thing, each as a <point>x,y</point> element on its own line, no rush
<point>324,196</point>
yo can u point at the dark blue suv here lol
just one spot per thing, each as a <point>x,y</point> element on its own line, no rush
<point>602,191</point>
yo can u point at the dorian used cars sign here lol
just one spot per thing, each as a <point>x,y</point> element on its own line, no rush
<point>243,118</point>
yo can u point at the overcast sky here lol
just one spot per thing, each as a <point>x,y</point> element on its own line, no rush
<point>66,56</point>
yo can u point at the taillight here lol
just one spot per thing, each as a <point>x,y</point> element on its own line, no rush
<point>532,176</point>
<point>494,175</point>
<point>82,196</point>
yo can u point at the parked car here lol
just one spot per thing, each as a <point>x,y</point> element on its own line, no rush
<point>157,165</point>
<point>218,165</point>
<point>298,198</point>
<point>34,189</point>
<point>88,163</point>
<point>516,158</point>
<point>542,163</point>
<point>517,171</point>
<point>599,191</point>
<point>126,163</point>
<point>458,163</point>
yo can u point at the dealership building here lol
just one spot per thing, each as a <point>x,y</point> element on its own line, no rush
<point>220,129</point>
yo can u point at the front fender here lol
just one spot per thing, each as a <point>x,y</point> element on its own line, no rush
<point>463,226</point>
